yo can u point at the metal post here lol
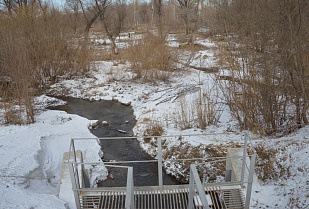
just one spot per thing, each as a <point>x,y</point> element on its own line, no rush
<point>204,178</point>
<point>71,144</point>
<point>75,160</point>
<point>74,185</point>
<point>132,192</point>
<point>250,180</point>
<point>194,177</point>
<point>199,186</point>
<point>244,160</point>
<point>129,204</point>
<point>191,190</point>
<point>160,162</point>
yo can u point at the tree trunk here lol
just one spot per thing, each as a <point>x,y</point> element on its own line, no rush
<point>304,113</point>
<point>93,19</point>
<point>110,37</point>
<point>113,44</point>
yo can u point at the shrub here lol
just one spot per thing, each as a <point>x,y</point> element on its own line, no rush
<point>269,166</point>
<point>150,58</point>
<point>36,49</point>
<point>154,128</point>
<point>204,111</point>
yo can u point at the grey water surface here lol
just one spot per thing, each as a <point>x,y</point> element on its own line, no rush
<point>121,121</point>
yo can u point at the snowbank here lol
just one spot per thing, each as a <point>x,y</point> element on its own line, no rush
<point>32,158</point>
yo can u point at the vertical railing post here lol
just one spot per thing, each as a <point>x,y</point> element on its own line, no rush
<point>250,180</point>
<point>244,160</point>
<point>75,186</point>
<point>75,160</point>
<point>160,162</point>
<point>191,190</point>
<point>129,204</point>
<point>132,192</point>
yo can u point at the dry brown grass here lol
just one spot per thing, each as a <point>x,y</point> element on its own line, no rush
<point>13,116</point>
<point>295,202</point>
<point>184,118</point>
<point>269,165</point>
<point>187,151</point>
<point>150,58</point>
<point>154,128</point>
<point>193,47</point>
<point>37,48</point>
<point>202,112</point>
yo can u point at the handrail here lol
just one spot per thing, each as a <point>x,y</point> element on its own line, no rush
<point>244,155</point>
<point>195,179</point>
<point>129,204</point>
<point>163,136</point>
<point>195,182</point>
<point>212,159</point>
<point>75,186</point>
<point>160,159</point>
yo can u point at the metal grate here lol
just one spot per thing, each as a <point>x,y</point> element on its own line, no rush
<point>233,198</point>
<point>222,195</point>
<point>145,198</point>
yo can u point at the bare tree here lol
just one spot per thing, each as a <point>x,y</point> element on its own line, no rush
<point>7,5</point>
<point>95,9</point>
<point>268,44</point>
<point>12,6</point>
<point>34,53</point>
<point>113,21</point>
<point>74,6</point>
<point>189,12</point>
<point>157,8</point>
<point>144,13</point>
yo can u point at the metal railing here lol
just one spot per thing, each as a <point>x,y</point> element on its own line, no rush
<point>129,202</point>
<point>196,181</point>
<point>246,175</point>
<point>78,189</point>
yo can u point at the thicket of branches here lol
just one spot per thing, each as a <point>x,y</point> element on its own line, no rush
<point>268,58</point>
<point>35,51</point>
<point>266,52</point>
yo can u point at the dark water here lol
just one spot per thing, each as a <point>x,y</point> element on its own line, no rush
<point>119,117</point>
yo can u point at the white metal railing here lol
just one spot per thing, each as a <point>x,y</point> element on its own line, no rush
<point>195,181</point>
<point>78,189</point>
<point>194,177</point>
<point>129,203</point>
<point>75,183</point>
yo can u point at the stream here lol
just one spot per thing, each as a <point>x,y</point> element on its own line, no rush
<point>121,121</point>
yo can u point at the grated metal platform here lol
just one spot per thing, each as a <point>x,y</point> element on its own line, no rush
<point>227,194</point>
<point>145,198</point>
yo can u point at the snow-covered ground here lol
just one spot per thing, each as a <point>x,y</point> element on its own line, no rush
<point>31,155</point>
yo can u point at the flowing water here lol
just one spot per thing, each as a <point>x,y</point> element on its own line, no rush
<point>121,121</point>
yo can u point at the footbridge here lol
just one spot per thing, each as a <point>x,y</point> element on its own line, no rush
<point>232,192</point>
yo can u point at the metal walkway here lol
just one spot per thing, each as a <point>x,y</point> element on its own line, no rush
<point>218,198</point>
<point>233,193</point>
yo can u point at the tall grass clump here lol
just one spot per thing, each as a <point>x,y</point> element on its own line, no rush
<point>204,110</point>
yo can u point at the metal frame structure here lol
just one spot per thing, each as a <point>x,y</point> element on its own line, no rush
<point>195,179</point>
<point>195,187</point>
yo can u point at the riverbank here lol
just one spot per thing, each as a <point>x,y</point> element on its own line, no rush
<point>160,103</point>
<point>32,157</point>
<point>29,182</point>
